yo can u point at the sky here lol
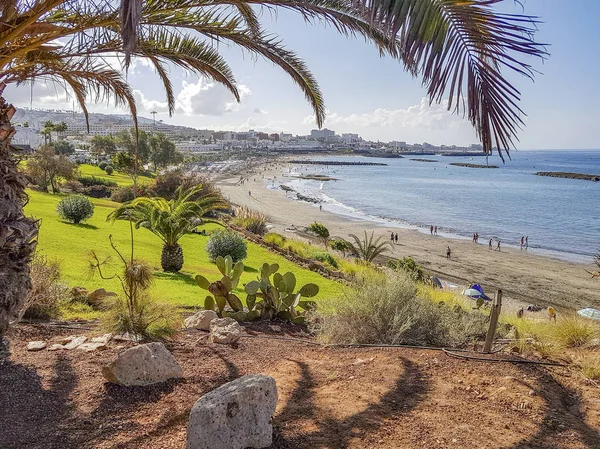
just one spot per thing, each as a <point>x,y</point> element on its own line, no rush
<point>373,96</point>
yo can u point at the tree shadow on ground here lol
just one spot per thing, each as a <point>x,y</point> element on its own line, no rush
<point>32,415</point>
<point>563,413</point>
<point>409,390</point>
<point>248,269</point>
<point>80,225</point>
<point>177,277</point>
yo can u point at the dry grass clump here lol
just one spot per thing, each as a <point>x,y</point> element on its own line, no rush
<point>387,310</point>
<point>590,367</point>
<point>572,331</point>
<point>46,290</point>
<point>250,220</point>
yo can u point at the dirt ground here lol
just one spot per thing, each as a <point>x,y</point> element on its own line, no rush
<point>328,398</point>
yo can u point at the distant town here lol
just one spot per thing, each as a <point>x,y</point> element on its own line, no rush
<point>29,124</point>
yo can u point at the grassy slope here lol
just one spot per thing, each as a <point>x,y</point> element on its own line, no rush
<point>120,178</point>
<point>70,245</point>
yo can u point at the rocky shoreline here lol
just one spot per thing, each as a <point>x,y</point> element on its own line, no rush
<point>464,164</point>
<point>312,162</point>
<point>558,174</point>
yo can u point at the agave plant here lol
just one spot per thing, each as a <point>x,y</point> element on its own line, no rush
<point>169,220</point>
<point>368,248</point>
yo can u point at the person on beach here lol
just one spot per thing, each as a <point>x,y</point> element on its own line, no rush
<point>392,238</point>
<point>477,237</point>
<point>431,229</point>
<point>526,242</point>
<point>490,245</point>
<point>552,313</point>
<point>522,241</point>
<point>498,247</point>
<point>396,238</point>
<point>474,238</point>
<point>435,230</point>
<point>249,193</point>
<point>321,207</point>
<point>448,253</point>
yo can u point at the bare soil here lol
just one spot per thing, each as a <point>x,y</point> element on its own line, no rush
<point>328,397</point>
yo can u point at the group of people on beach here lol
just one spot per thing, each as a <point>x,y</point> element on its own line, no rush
<point>524,242</point>
<point>433,230</point>
<point>394,238</point>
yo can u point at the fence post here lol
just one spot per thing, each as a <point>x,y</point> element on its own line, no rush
<point>494,315</point>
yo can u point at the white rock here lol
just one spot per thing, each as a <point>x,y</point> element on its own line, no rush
<point>201,320</point>
<point>36,345</point>
<point>103,339</point>
<point>225,331</point>
<point>56,347</point>
<point>76,342</point>
<point>236,415</point>
<point>143,365</point>
<point>89,347</point>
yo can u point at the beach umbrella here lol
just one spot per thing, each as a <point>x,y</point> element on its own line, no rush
<point>472,293</point>
<point>593,314</point>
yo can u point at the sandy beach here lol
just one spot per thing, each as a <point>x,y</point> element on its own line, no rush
<point>523,276</point>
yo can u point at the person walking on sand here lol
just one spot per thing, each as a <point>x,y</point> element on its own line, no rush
<point>435,230</point>
<point>431,229</point>
<point>498,247</point>
<point>396,238</point>
<point>448,253</point>
<point>490,245</point>
<point>522,241</point>
<point>526,242</point>
<point>321,207</point>
<point>249,193</point>
<point>392,238</point>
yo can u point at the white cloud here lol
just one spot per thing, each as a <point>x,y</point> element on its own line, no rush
<point>421,116</point>
<point>259,111</point>
<point>201,98</point>
<point>252,123</point>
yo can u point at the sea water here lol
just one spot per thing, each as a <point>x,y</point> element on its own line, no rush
<point>560,216</point>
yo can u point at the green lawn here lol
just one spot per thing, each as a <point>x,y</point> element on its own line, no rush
<point>120,178</point>
<point>70,245</point>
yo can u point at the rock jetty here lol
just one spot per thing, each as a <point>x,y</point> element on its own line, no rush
<point>311,162</point>
<point>464,164</point>
<point>559,174</point>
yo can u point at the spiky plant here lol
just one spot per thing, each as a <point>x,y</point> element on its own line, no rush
<point>169,219</point>
<point>368,248</point>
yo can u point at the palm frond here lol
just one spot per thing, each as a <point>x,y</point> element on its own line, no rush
<point>367,248</point>
<point>453,44</point>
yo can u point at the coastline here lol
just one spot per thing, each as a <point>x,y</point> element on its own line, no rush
<point>523,276</point>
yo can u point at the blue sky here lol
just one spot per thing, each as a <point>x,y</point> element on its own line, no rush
<point>375,97</point>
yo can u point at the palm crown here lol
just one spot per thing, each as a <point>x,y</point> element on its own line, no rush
<point>169,219</point>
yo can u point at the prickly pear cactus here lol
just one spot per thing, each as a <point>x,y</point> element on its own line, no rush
<point>222,289</point>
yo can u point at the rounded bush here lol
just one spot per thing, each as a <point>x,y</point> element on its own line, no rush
<point>109,169</point>
<point>75,208</point>
<point>102,165</point>
<point>226,243</point>
<point>122,195</point>
<point>97,191</point>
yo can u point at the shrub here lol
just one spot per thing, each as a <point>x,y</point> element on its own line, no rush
<point>122,194</point>
<point>102,165</point>
<point>166,184</point>
<point>572,331</point>
<point>75,208</point>
<point>408,265</point>
<point>275,239</point>
<point>89,181</point>
<point>320,231</point>
<point>250,220</point>
<point>73,186</point>
<point>46,290</point>
<point>341,245</point>
<point>226,243</point>
<point>109,169</point>
<point>97,191</point>
<point>382,310</point>
<point>590,367</point>
<point>326,258</point>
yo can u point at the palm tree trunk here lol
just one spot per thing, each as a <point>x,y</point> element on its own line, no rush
<point>17,233</point>
<point>171,258</point>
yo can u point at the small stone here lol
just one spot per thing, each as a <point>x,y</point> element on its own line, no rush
<point>201,320</point>
<point>56,347</point>
<point>36,345</point>
<point>74,343</point>
<point>225,331</point>
<point>89,347</point>
<point>532,393</point>
<point>236,415</point>
<point>106,338</point>
<point>143,365</point>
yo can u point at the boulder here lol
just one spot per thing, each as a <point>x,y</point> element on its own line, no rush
<point>201,320</point>
<point>95,298</point>
<point>236,415</point>
<point>143,365</point>
<point>225,331</point>
<point>36,345</point>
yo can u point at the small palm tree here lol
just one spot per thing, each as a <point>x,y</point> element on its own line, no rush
<point>169,220</point>
<point>367,249</point>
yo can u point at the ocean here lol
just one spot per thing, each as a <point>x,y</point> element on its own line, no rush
<point>561,217</point>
